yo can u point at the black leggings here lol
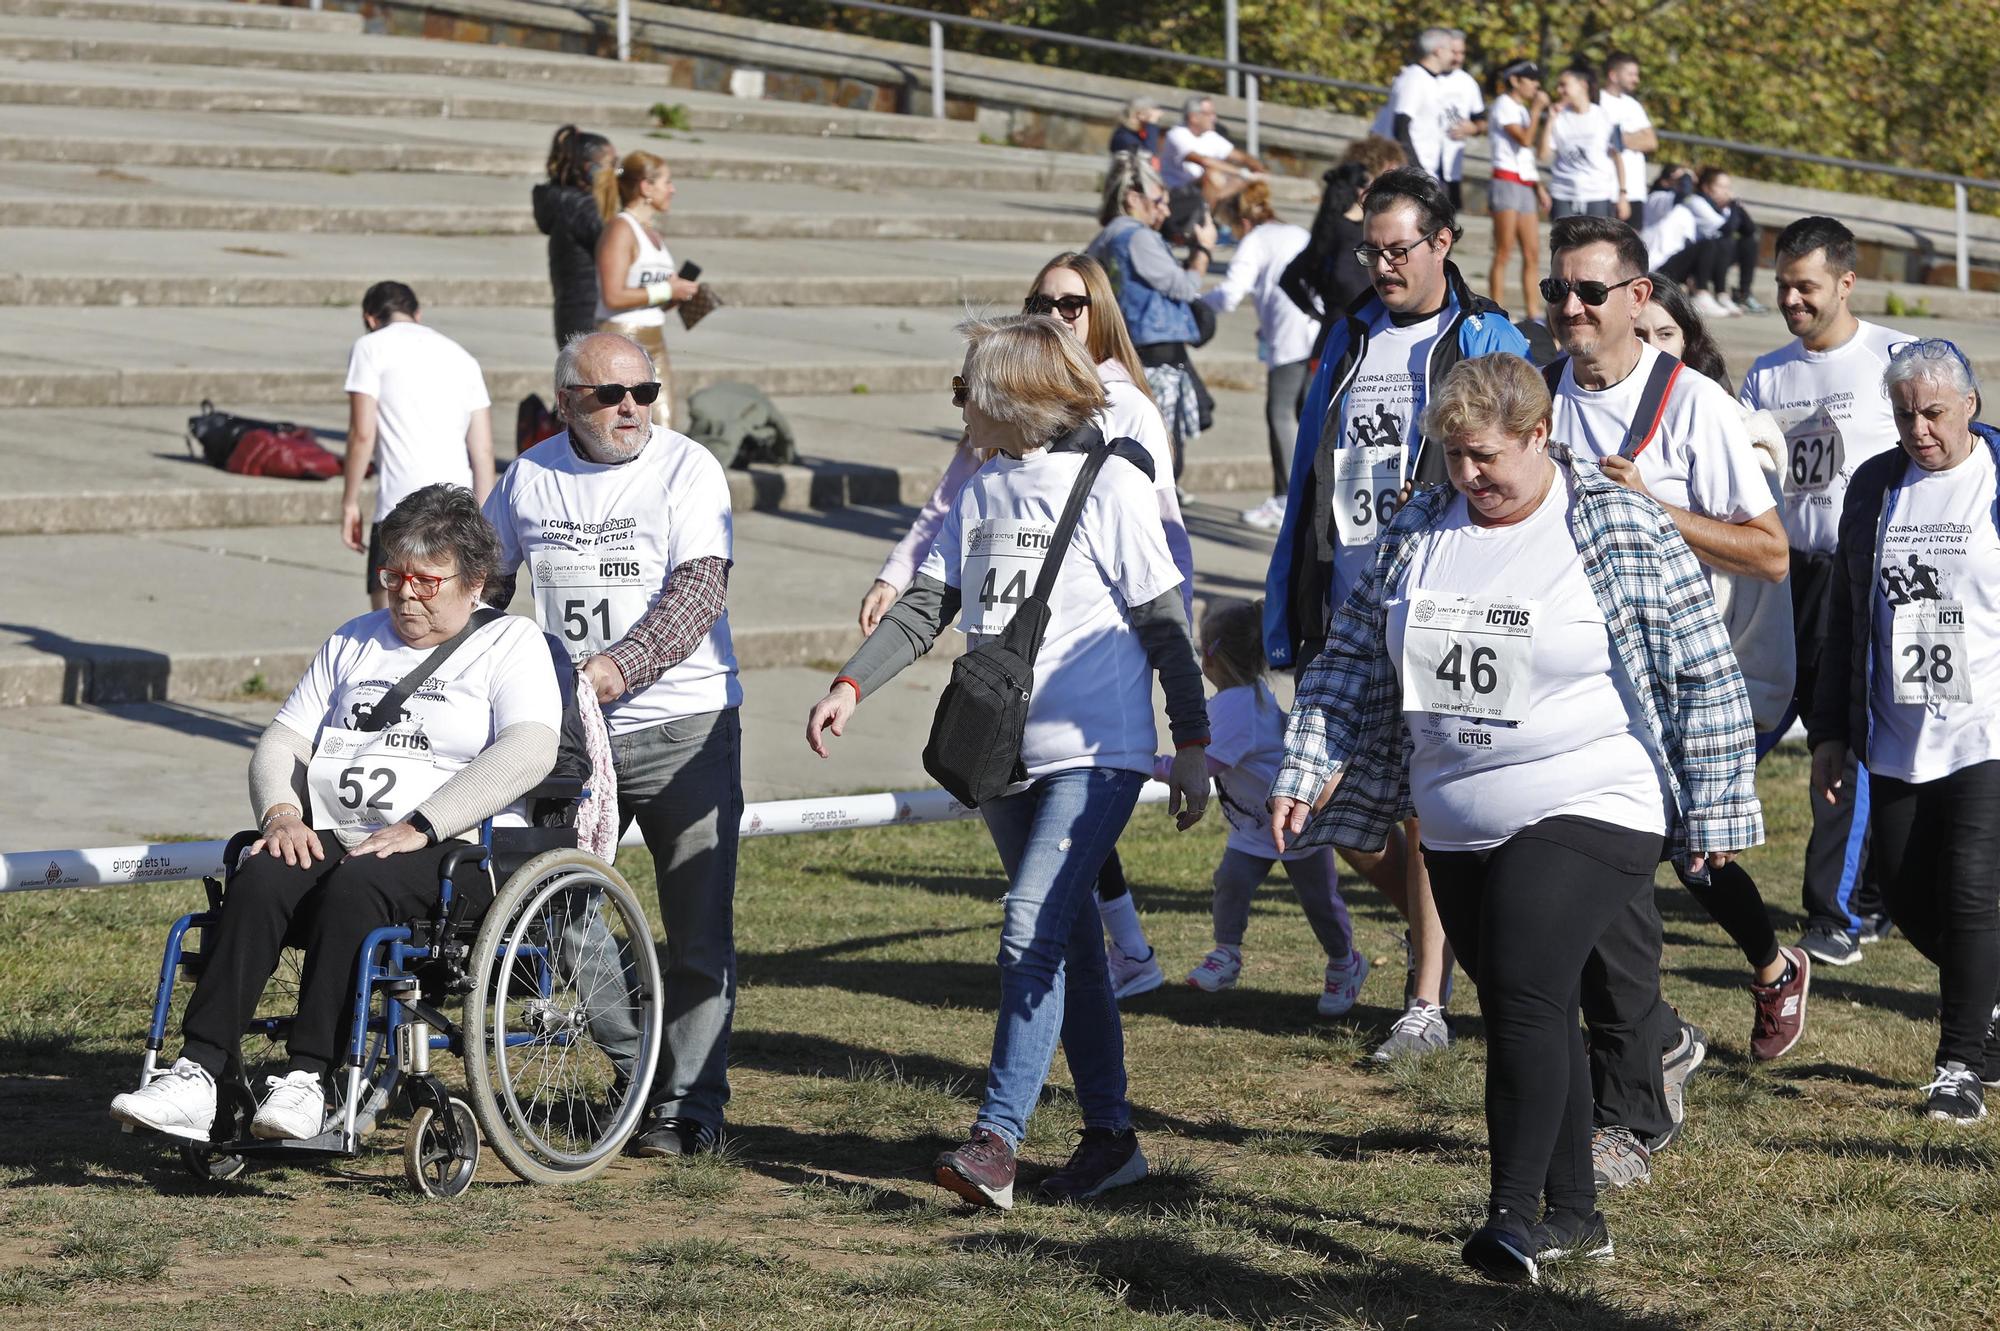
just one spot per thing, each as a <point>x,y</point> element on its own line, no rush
<point>1730,897</point>
<point>1111,878</point>
<point>328,908</point>
<point>1524,919</point>
<point>1939,844</point>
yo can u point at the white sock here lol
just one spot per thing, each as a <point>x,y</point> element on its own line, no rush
<point>1121,921</point>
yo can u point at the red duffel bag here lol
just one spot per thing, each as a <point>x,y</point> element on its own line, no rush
<point>292,455</point>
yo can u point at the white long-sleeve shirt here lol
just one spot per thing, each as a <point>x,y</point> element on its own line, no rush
<point>1286,332</point>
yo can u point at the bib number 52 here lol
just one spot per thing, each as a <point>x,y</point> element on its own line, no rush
<point>354,796</point>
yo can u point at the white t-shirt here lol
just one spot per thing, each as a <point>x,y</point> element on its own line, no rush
<point>1093,699</point>
<point>1939,551</point>
<point>1246,733</point>
<point>1630,118</point>
<point>1700,458</point>
<point>426,388</point>
<point>502,675</point>
<point>1834,410</point>
<point>650,266</point>
<point>1583,748</point>
<point>1508,155</point>
<point>1416,94</point>
<point>1459,99</point>
<point>1285,333</point>
<point>1175,169</point>
<point>601,542</point>
<point>1383,410</point>
<point>1581,144</point>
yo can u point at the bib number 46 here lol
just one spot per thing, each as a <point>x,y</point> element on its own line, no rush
<point>1459,668</point>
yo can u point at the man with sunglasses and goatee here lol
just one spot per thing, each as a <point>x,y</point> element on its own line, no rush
<point>625,528</point>
<point>1359,449</point>
<point>1678,437</point>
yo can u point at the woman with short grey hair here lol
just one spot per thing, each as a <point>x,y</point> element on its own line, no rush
<point>357,810</point>
<point>1115,618</point>
<point>1911,686</point>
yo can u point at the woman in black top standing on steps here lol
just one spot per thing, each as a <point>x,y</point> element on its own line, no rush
<point>566,211</point>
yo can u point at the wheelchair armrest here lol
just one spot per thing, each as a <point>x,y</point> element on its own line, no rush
<point>461,855</point>
<point>557,788</point>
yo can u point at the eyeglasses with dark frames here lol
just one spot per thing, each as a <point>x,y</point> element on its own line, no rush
<point>1397,255</point>
<point>1069,307</point>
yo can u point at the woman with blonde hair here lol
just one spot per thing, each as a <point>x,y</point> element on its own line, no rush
<point>1534,667</point>
<point>1265,248</point>
<point>1029,393</point>
<point>1074,289</point>
<point>636,279</point>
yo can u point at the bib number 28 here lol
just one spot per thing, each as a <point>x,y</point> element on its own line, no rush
<point>1927,643</point>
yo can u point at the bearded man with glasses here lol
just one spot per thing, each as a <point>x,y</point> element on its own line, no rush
<point>1359,450</point>
<point>1680,439</point>
<point>626,529</point>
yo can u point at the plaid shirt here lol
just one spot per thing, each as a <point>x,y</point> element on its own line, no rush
<point>1654,596</point>
<point>675,625</point>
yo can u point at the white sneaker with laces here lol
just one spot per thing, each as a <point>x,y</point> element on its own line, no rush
<point>1728,304</point>
<point>1343,984</point>
<point>179,1102</point>
<point>1708,307</point>
<point>294,1108</point>
<point>1132,976</point>
<point>1420,1030</point>
<point>1267,516</point>
<point>1218,970</point>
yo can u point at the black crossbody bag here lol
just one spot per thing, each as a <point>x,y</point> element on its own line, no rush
<point>387,710</point>
<point>975,746</point>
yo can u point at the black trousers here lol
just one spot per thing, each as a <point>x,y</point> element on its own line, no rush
<point>1943,839</point>
<point>1111,878</point>
<point>1841,883</point>
<point>327,908</point>
<point>1730,897</point>
<point>1525,919</point>
<point>1735,248</point>
<point>1629,1021</point>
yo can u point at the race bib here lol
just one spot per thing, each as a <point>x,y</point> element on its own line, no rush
<point>1816,451</point>
<point>1003,558</point>
<point>1468,655</point>
<point>1368,482</point>
<point>589,601</point>
<point>364,780</point>
<point>1927,648</point>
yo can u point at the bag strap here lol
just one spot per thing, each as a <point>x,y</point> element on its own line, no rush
<point>388,709</point>
<point>1652,401</point>
<point>1035,610</point>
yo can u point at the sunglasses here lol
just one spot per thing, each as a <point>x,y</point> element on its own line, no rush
<point>1067,306</point>
<point>1397,255</point>
<point>958,390</point>
<point>423,586</point>
<point>610,395</point>
<point>1555,290</point>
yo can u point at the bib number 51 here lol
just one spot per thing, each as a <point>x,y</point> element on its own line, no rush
<point>576,620</point>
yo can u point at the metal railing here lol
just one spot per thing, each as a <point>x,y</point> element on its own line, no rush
<point>1254,75</point>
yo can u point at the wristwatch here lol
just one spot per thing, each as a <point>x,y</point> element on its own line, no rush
<point>423,824</point>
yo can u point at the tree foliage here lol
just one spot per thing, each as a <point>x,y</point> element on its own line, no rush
<point>1898,83</point>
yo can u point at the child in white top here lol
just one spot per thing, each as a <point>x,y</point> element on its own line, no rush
<point>1246,744</point>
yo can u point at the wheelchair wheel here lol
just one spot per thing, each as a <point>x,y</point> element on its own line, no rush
<point>564,1018</point>
<point>430,1166</point>
<point>210,1165</point>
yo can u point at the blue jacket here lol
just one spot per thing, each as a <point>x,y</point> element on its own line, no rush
<point>1151,316</point>
<point>1841,705</point>
<point>1296,612</point>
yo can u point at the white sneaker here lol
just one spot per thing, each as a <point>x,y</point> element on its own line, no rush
<point>1267,516</point>
<point>1132,976</point>
<point>1343,984</point>
<point>1728,304</point>
<point>179,1102</point>
<point>294,1108</point>
<point>1708,307</point>
<point>1218,970</point>
<point>1420,1030</point>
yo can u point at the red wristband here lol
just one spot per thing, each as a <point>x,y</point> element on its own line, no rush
<point>1191,744</point>
<point>849,681</point>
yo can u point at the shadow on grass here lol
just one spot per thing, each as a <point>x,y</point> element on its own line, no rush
<point>1954,1156</point>
<point>1842,1072</point>
<point>1826,988</point>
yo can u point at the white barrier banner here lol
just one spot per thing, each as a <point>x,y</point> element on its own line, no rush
<point>175,861</point>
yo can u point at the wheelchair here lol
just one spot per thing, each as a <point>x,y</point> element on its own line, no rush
<point>561,1021</point>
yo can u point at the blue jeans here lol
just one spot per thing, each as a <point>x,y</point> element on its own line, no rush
<point>1054,983</point>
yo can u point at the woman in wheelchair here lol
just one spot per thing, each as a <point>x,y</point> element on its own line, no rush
<point>412,726</point>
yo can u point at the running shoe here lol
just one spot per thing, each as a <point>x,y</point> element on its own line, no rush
<point>1103,1160</point>
<point>1955,1096</point>
<point>1728,304</point>
<point>1344,979</point>
<point>1677,1067</point>
<point>981,1171</point>
<point>1217,971</point>
<point>667,1135</point>
<point>1835,947</point>
<point>1749,304</point>
<point>294,1108</point>
<point>1618,1159</point>
<point>1267,516</point>
<point>1874,929</point>
<point>1708,307</point>
<point>1420,1030</point>
<point>1571,1236</point>
<point>1780,1008</point>
<point>1132,976</point>
<point>179,1102</point>
<point>1503,1249</point>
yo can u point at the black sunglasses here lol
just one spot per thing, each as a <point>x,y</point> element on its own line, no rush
<point>1555,290</point>
<point>610,395</point>
<point>1068,306</point>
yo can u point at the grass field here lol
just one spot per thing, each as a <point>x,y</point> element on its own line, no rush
<point>1292,1187</point>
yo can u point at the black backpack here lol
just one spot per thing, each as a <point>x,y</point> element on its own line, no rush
<point>975,746</point>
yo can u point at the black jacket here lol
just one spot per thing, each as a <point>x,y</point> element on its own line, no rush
<point>568,216</point>
<point>1840,700</point>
